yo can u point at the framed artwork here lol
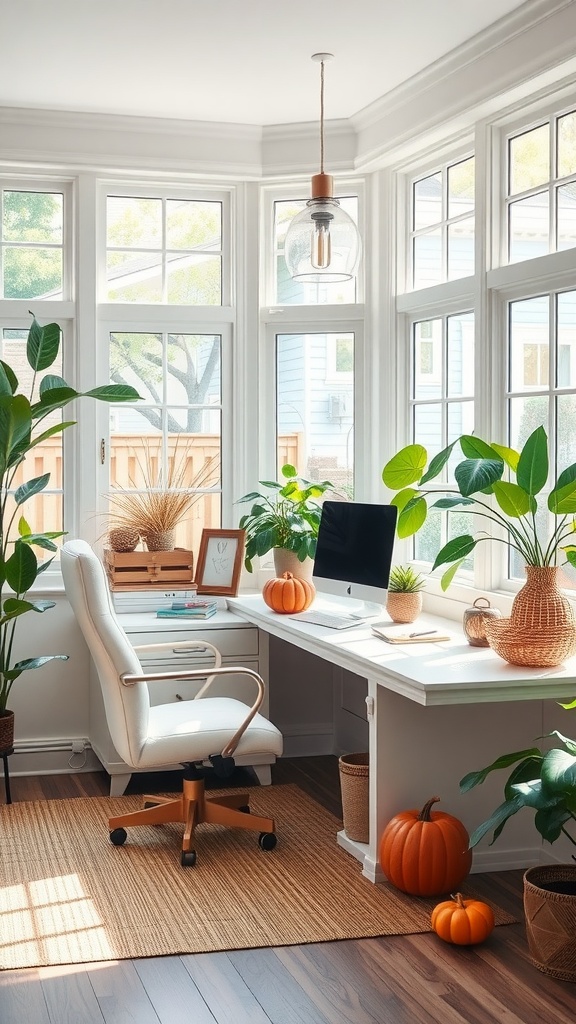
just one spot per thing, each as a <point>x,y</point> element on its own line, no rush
<point>220,562</point>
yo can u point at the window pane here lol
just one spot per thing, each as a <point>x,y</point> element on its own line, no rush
<point>191,225</point>
<point>315,407</point>
<point>134,276</point>
<point>428,259</point>
<point>529,228</point>
<point>427,381</point>
<point>193,370</point>
<point>525,415</point>
<point>290,292</point>
<point>461,249</point>
<point>566,331</point>
<point>567,145</point>
<point>529,156</point>
<point>134,223</point>
<point>32,273</point>
<point>136,359</point>
<point>566,216</point>
<point>460,374</point>
<point>33,217</point>
<point>194,279</point>
<point>529,344</point>
<point>565,431</point>
<point>427,201</point>
<point>429,539</point>
<point>461,188</point>
<point>428,427</point>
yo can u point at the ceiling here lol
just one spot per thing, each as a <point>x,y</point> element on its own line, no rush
<point>237,61</point>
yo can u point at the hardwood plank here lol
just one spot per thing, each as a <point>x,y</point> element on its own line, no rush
<point>172,991</point>
<point>274,986</point>
<point>224,991</point>
<point>22,998</point>
<point>69,996</point>
<point>121,995</point>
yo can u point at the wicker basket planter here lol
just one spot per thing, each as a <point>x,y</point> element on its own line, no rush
<point>551,919</point>
<point>354,787</point>
<point>402,606</point>
<point>541,630</point>
<point>6,731</point>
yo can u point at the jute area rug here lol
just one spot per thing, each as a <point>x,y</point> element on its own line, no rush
<point>69,896</point>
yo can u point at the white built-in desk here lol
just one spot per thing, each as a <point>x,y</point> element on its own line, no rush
<point>435,712</point>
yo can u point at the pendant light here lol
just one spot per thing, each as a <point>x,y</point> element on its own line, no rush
<point>322,243</point>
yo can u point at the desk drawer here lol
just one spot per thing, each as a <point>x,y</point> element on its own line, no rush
<point>232,643</point>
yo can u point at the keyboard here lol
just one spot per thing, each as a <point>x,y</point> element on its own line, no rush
<point>331,619</point>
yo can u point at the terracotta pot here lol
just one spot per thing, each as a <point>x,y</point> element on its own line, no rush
<point>550,912</point>
<point>403,607</point>
<point>541,630</point>
<point>288,561</point>
<point>6,731</point>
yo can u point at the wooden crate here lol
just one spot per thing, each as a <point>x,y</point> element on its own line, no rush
<point>150,570</point>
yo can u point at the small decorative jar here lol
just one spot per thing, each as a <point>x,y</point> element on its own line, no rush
<point>474,621</point>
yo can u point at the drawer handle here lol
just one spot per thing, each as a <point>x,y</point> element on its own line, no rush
<point>186,651</point>
<point>179,697</point>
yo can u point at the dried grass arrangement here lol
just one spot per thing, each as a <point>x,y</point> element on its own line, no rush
<point>155,507</point>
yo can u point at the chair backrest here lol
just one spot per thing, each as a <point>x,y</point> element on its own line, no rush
<point>127,707</point>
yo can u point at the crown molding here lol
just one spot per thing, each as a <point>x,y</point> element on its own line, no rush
<point>289,149</point>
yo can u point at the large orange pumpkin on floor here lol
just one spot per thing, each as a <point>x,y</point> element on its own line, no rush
<point>463,922</point>
<point>425,853</point>
<point>288,594</point>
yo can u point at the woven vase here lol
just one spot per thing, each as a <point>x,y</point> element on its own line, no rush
<point>541,630</point>
<point>6,731</point>
<point>161,540</point>
<point>551,919</point>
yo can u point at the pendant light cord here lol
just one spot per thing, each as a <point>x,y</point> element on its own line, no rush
<point>322,117</point>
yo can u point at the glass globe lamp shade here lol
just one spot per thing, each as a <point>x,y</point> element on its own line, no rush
<point>322,243</point>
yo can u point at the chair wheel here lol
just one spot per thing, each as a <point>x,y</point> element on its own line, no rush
<point>188,858</point>
<point>267,840</point>
<point>118,836</point>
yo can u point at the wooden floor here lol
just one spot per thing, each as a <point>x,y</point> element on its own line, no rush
<point>402,980</point>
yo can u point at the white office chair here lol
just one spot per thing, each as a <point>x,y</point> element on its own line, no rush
<point>191,732</point>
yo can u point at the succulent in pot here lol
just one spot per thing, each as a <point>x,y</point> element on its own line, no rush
<point>404,600</point>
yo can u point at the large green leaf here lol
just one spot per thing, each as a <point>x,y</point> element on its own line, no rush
<point>43,659</point>
<point>562,500</point>
<point>549,821</point>
<point>288,470</point>
<point>452,500</point>
<point>406,467</point>
<point>532,471</point>
<point>6,384</point>
<point>457,548</point>
<point>15,426</point>
<point>54,398</point>
<point>476,474</point>
<point>30,488</point>
<point>42,345</point>
<point>21,568</point>
<point>437,464</point>
<point>510,456</point>
<point>559,770</point>
<point>401,499</point>
<point>475,448</point>
<point>497,819</point>
<point>504,761</point>
<point>51,382</point>
<point>412,517</point>
<point>450,573</point>
<point>113,393</point>
<point>512,499</point>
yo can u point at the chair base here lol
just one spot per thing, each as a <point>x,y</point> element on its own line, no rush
<point>192,808</point>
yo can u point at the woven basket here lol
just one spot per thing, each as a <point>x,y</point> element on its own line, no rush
<point>6,731</point>
<point>551,920</point>
<point>354,788</point>
<point>402,606</point>
<point>541,630</point>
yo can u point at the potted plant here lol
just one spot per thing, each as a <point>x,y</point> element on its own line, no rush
<point>404,601</point>
<point>21,431</point>
<point>509,489</point>
<point>545,782</point>
<point>285,521</point>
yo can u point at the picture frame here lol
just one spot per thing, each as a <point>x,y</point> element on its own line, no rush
<point>220,562</point>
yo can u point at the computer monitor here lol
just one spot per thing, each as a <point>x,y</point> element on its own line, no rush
<point>354,552</point>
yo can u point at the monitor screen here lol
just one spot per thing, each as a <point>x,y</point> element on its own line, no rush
<point>354,550</point>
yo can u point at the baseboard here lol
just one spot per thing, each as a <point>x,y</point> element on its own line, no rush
<point>51,757</point>
<point>505,860</point>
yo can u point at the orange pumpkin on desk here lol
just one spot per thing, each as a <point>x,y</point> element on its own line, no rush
<point>425,853</point>
<point>288,594</point>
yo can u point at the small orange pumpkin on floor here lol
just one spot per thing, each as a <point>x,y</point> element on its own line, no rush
<point>425,853</point>
<point>288,594</point>
<point>462,922</point>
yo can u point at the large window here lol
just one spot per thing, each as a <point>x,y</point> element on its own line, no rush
<point>442,235</point>
<point>32,243</point>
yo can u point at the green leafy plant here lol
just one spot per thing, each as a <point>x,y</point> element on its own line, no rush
<point>544,781</point>
<point>288,517</point>
<point>21,419</point>
<point>482,489</point>
<point>404,580</point>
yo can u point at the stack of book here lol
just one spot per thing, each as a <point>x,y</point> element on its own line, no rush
<point>197,608</point>
<point>141,600</point>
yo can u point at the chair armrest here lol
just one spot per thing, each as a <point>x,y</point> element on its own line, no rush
<point>130,679</point>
